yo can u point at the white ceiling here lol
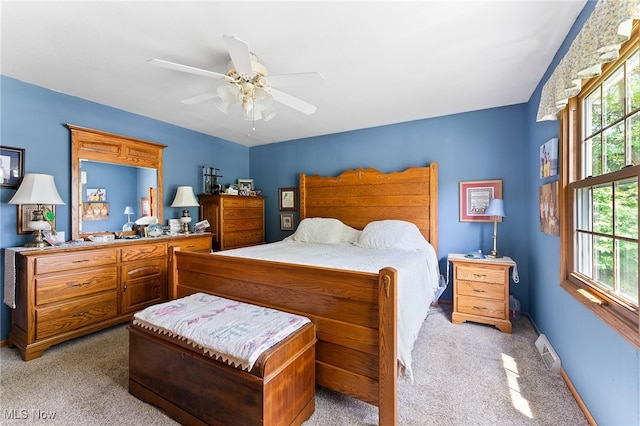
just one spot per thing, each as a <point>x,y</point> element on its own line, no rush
<point>384,62</point>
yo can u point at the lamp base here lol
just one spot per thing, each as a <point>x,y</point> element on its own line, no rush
<point>38,240</point>
<point>494,255</point>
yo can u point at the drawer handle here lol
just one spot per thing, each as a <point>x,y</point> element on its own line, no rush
<point>80,261</point>
<point>81,284</point>
<point>479,308</point>
<point>80,314</point>
<point>191,246</point>
<point>477,290</point>
<point>479,276</point>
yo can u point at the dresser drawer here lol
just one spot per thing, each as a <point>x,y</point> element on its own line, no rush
<point>54,320</point>
<point>146,251</point>
<point>242,213</point>
<point>75,260</point>
<point>195,244</point>
<point>483,274</point>
<point>481,307</point>
<point>477,289</point>
<point>233,202</point>
<point>242,225</point>
<point>82,283</point>
<point>246,238</point>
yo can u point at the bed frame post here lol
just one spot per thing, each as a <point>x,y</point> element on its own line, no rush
<point>387,356</point>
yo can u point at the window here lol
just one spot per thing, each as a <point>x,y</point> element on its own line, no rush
<point>600,133</point>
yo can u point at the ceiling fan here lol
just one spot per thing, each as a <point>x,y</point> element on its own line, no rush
<point>249,84</point>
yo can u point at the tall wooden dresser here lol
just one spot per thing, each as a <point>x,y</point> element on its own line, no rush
<point>481,290</point>
<point>65,292</point>
<point>235,220</point>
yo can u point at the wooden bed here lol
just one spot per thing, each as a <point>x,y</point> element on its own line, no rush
<point>355,313</point>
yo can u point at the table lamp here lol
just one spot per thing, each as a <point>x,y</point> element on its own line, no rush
<point>495,209</point>
<point>128,210</point>
<point>185,198</point>
<point>40,190</point>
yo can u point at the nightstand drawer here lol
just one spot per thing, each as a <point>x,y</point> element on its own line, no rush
<point>477,289</point>
<point>483,273</point>
<point>481,307</point>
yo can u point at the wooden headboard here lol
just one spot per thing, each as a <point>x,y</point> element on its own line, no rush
<point>360,196</point>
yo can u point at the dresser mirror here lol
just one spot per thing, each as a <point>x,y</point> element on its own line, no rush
<point>109,173</point>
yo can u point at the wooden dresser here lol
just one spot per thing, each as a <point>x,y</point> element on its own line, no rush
<point>481,290</point>
<point>65,292</point>
<point>236,220</point>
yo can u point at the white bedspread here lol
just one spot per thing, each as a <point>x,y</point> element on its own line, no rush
<point>418,277</point>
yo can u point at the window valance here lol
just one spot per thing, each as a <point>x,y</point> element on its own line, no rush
<point>597,42</point>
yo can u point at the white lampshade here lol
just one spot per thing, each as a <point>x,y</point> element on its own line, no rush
<point>496,208</point>
<point>185,197</point>
<point>37,189</point>
<point>128,210</point>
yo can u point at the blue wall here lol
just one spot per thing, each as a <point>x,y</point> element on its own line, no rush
<point>501,143</point>
<point>604,367</point>
<point>34,118</point>
<point>481,145</point>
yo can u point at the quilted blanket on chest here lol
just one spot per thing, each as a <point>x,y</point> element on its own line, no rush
<point>235,332</point>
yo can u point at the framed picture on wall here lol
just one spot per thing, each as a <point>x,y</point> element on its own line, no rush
<point>11,167</point>
<point>475,197</point>
<point>549,221</point>
<point>549,158</point>
<point>145,206</point>
<point>286,221</point>
<point>287,199</point>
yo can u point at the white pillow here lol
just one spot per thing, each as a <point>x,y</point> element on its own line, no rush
<point>319,230</point>
<point>349,234</point>
<point>394,235</point>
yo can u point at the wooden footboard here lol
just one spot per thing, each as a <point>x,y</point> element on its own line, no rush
<point>355,314</point>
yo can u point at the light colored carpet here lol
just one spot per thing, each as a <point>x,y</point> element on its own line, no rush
<point>467,374</point>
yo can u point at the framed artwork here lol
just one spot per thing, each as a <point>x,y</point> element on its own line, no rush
<point>25,214</point>
<point>549,221</point>
<point>145,206</point>
<point>95,211</point>
<point>287,199</point>
<point>11,166</point>
<point>286,221</point>
<point>475,197</point>
<point>245,184</point>
<point>549,158</point>
<point>96,194</point>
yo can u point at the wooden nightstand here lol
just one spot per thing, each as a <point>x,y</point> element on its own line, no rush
<point>481,290</point>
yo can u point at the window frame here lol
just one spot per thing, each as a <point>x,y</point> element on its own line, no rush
<point>622,317</point>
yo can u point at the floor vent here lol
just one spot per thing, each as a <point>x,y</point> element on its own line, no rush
<point>549,356</point>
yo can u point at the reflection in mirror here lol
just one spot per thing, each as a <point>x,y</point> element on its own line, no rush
<point>107,189</point>
<point>108,173</point>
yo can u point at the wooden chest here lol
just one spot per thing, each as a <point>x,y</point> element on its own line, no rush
<point>195,389</point>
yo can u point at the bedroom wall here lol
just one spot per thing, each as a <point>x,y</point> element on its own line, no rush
<point>479,145</point>
<point>34,118</point>
<point>604,367</point>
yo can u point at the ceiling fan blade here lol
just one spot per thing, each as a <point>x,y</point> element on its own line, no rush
<point>185,68</point>
<point>200,98</point>
<point>297,79</point>
<point>293,102</point>
<point>240,54</point>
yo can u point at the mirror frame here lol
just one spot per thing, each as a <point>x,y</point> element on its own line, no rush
<point>89,144</point>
